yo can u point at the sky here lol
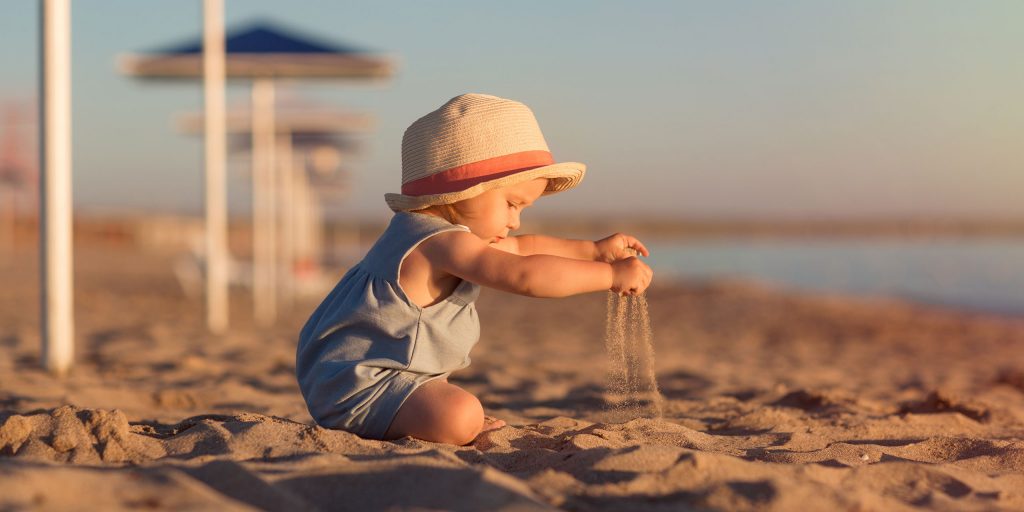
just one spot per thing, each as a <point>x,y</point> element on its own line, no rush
<point>738,109</point>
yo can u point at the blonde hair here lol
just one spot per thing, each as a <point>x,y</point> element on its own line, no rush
<point>446,211</point>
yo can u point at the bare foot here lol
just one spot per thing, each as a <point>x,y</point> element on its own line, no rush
<point>491,423</point>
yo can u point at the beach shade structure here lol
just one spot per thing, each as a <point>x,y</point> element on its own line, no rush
<point>262,53</point>
<point>311,141</point>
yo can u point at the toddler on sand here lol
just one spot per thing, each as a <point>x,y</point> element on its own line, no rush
<point>375,356</point>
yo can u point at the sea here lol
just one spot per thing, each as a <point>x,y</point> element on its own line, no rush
<point>973,273</point>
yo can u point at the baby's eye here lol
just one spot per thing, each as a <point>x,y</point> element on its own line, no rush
<point>512,205</point>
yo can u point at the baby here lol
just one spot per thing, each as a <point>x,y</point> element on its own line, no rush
<point>375,356</point>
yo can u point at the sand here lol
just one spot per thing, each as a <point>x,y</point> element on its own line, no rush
<point>773,401</point>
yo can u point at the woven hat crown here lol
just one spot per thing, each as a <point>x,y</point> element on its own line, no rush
<point>468,128</point>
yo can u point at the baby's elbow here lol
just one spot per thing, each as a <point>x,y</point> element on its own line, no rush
<point>523,281</point>
<point>540,286</point>
<point>532,279</point>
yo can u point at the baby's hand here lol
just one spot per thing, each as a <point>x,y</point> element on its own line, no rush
<point>619,246</point>
<point>630,276</point>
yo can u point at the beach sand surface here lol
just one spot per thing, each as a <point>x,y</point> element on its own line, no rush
<point>773,400</point>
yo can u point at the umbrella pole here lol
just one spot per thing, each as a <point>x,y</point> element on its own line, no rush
<point>295,223</point>
<point>264,289</point>
<point>55,187</point>
<point>216,157</point>
<point>286,160</point>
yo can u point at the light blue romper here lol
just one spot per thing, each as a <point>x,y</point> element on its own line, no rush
<point>367,347</point>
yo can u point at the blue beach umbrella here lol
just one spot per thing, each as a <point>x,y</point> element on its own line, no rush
<point>262,50</point>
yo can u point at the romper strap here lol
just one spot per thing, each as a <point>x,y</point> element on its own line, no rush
<point>405,231</point>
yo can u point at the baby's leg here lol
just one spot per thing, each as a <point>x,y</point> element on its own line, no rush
<point>440,412</point>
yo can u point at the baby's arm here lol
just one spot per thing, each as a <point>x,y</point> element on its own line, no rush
<point>529,245</point>
<point>539,275</point>
<point>607,250</point>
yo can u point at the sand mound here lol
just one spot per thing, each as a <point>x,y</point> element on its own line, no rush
<point>939,401</point>
<point>78,436</point>
<point>94,436</point>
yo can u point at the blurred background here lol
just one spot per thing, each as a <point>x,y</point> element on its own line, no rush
<point>869,147</point>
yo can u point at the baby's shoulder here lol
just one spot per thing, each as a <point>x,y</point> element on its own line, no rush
<point>424,274</point>
<point>446,242</point>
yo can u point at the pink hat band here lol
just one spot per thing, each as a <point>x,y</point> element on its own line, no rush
<point>465,176</point>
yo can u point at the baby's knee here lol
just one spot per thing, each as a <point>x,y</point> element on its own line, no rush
<point>466,418</point>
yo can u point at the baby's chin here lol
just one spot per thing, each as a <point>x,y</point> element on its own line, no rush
<point>490,240</point>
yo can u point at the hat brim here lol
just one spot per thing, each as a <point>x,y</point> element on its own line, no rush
<point>561,177</point>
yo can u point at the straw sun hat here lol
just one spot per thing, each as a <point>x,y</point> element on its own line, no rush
<point>472,144</point>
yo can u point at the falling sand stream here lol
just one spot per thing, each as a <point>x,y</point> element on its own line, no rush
<point>632,387</point>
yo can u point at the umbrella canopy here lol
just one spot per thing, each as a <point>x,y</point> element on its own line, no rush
<point>261,50</point>
<point>315,128</point>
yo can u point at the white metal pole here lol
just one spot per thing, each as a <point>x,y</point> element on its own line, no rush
<point>264,292</point>
<point>216,158</point>
<point>284,220</point>
<point>55,186</point>
<point>298,171</point>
